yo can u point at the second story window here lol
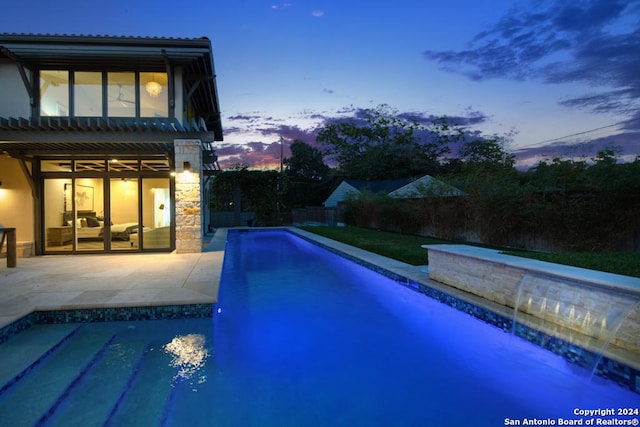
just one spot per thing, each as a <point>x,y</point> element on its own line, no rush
<point>121,90</point>
<point>84,94</point>
<point>154,98</point>
<point>54,93</point>
<point>87,94</point>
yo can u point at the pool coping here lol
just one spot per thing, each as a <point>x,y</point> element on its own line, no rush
<point>106,314</point>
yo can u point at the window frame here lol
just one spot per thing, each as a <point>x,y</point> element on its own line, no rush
<point>104,93</point>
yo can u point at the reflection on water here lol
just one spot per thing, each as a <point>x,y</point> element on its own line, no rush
<point>189,355</point>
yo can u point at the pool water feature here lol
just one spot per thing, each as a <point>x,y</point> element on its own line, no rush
<point>300,336</point>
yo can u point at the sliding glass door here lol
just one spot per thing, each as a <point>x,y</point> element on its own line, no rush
<point>156,211</point>
<point>100,205</point>
<point>124,216</point>
<point>57,222</point>
<point>88,214</point>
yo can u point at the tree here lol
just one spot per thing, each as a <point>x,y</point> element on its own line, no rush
<point>559,175</point>
<point>306,162</point>
<point>247,190</point>
<point>383,145</point>
<point>487,153</point>
<point>306,178</point>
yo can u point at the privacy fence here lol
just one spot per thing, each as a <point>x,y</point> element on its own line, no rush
<point>549,223</point>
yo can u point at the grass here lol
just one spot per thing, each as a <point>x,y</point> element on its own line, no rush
<point>407,248</point>
<point>403,247</point>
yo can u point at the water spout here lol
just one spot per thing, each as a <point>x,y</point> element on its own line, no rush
<point>517,304</point>
<point>543,305</point>
<point>603,323</point>
<point>586,322</point>
<point>600,354</point>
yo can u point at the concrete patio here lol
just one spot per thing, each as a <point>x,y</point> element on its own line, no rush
<point>55,282</point>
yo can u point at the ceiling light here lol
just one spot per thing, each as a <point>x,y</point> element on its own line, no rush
<point>153,87</point>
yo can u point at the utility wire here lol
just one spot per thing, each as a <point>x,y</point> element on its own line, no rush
<point>572,135</point>
<point>579,133</point>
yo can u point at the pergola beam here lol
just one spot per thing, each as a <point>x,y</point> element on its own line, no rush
<point>23,74</point>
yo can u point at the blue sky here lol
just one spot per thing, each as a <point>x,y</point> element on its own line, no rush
<point>557,78</point>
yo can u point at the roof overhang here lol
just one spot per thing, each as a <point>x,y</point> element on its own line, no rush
<point>195,56</point>
<point>29,150</point>
<point>25,139</point>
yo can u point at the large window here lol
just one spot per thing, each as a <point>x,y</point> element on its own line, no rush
<point>121,88</point>
<point>87,94</point>
<point>82,93</point>
<point>54,93</point>
<point>154,99</point>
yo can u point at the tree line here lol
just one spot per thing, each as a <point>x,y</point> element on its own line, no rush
<point>591,204</point>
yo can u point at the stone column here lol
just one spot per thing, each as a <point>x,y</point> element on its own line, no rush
<point>188,195</point>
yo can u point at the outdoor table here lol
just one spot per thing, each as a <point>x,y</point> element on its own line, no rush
<point>10,233</point>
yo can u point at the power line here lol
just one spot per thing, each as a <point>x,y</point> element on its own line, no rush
<point>573,134</point>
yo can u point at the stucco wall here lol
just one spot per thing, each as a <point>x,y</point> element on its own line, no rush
<point>16,202</point>
<point>14,99</point>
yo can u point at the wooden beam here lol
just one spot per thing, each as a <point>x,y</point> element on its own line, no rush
<point>23,74</point>
<point>192,90</point>
<point>170,84</point>
<point>29,176</point>
<point>121,134</point>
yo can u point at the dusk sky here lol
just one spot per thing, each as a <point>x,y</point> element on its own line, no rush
<point>557,78</point>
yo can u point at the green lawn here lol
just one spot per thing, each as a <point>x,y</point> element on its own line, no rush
<point>406,248</point>
<point>403,247</point>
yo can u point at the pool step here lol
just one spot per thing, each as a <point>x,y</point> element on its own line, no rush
<point>88,402</point>
<point>149,390</point>
<point>23,353</point>
<point>37,393</point>
<point>97,374</point>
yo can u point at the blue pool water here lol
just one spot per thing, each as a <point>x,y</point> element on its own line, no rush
<point>305,337</point>
<point>300,337</point>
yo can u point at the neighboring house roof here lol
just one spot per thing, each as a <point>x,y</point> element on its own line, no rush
<point>339,194</point>
<point>126,53</point>
<point>356,186</point>
<point>386,186</point>
<point>427,186</point>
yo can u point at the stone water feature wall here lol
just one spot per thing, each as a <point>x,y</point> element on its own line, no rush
<point>596,304</point>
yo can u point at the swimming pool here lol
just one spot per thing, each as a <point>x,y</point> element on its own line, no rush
<point>302,336</point>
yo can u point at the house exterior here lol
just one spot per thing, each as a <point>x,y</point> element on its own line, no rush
<point>426,186</point>
<point>352,186</point>
<point>106,143</point>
